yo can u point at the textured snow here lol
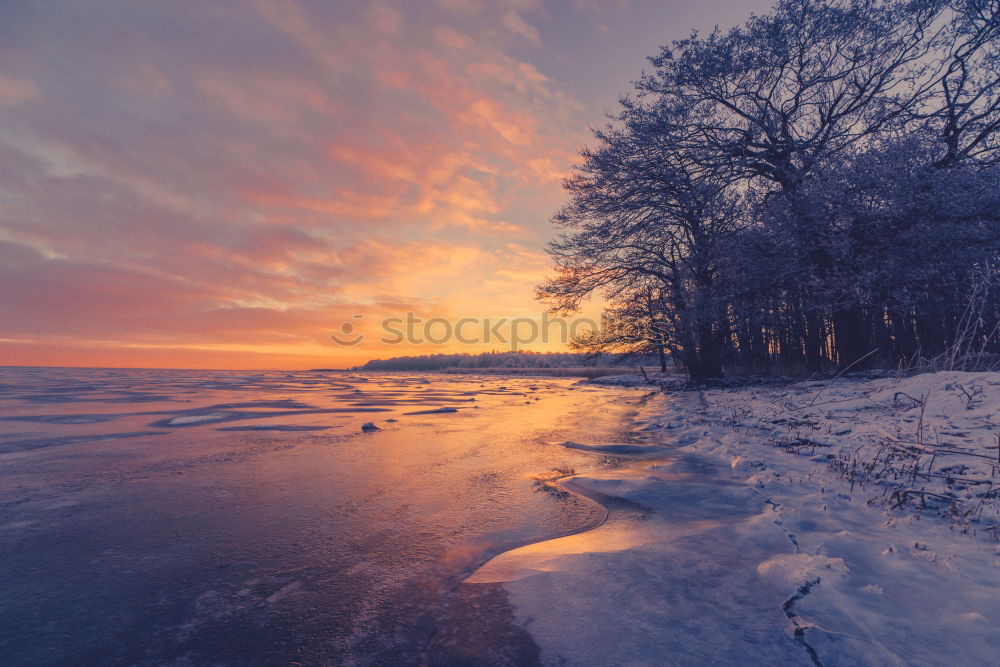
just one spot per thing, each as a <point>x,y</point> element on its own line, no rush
<point>745,543</point>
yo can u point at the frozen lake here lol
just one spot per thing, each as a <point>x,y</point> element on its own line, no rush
<point>194,517</point>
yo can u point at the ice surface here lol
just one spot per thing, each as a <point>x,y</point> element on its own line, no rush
<point>196,419</point>
<point>213,517</point>
<point>610,447</point>
<point>185,517</point>
<point>750,542</point>
<point>434,411</point>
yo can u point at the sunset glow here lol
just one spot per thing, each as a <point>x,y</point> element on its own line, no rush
<point>223,184</point>
<point>499,332</point>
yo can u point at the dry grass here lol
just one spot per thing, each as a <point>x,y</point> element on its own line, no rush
<point>904,466</point>
<point>924,467</point>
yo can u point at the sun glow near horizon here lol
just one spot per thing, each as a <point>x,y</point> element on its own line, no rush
<point>224,186</point>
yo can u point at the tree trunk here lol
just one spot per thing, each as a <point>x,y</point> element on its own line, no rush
<point>707,359</point>
<point>905,335</point>
<point>850,336</point>
<point>814,343</point>
<point>663,357</point>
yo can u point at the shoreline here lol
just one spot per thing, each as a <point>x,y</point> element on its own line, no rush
<point>489,608</point>
<point>481,612</point>
<point>825,569</point>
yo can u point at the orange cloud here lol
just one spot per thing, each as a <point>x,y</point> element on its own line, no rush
<point>226,205</point>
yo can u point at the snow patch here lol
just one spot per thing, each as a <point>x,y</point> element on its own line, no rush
<point>197,419</point>
<point>794,569</point>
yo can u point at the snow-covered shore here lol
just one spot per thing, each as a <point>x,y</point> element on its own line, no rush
<point>927,443</point>
<point>841,522</point>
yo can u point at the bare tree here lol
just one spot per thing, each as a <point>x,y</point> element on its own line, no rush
<point>787,92</point>
<point>646,218</point>
<point>783,188</point>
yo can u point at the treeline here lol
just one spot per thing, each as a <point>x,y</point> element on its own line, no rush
<point>816,189</point>
<point>519,359</point>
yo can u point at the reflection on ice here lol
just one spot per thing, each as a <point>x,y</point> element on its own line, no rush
<point>172,516</point>
<point>552,555</point>
<point>614,448</point>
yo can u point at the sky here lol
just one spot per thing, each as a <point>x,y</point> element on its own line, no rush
<point>225,183</point>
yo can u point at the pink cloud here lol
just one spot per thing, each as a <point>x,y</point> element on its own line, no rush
<point>210,193</point>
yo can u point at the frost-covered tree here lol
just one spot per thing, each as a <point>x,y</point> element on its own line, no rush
<point>814,188</point>
<point>645,225</point>
<point>789,92</point>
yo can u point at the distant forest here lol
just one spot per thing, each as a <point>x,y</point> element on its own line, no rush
<point>815,190</point>
<point>521,359</point>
